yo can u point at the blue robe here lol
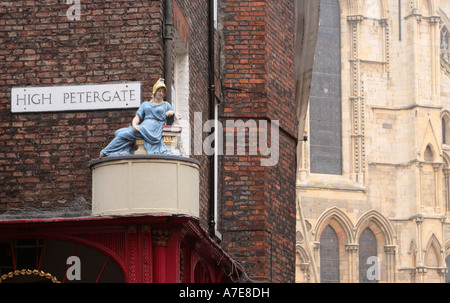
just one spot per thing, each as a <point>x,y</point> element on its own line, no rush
<point>152,119</point>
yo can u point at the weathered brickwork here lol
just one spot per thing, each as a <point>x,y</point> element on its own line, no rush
<point>258,202</point>
<point>44,157</point>
<point>244,58</point>
<point>196,15</point>
<point>279,65</point>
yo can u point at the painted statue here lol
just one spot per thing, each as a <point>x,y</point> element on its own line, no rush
<point>147,125</point>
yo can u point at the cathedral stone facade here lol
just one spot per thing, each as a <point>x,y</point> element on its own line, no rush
<point>373,192</point>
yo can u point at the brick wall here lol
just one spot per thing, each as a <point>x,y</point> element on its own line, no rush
<point>280,180</point>
<point>258,203</point>
<point>44,157</point>
<point>196,16</point>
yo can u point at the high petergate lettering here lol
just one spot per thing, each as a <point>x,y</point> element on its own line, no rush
<point>76,97</point>
<point>95,96</point>
<point>29,99</point>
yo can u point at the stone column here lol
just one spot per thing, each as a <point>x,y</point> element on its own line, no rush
<point>435,56</point>
<point>357,103</point>
<point>353,262</point>
<point>438,190</point>
<point>446,189</point>
<point>316,256</point>
<point>421,270</point>
<point>390,262</point>
<point>419,188</point>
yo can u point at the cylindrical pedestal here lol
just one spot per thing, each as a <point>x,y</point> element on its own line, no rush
<point>145,184</point>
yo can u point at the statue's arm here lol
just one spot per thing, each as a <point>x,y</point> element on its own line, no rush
<point>135,123</point>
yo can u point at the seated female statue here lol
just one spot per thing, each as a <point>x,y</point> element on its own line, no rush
<point>147,125</point>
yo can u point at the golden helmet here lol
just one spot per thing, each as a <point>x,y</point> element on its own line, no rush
<point>159,84</point>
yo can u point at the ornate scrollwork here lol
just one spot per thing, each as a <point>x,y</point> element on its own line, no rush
<point>29,272</point>
<point>160,236</point>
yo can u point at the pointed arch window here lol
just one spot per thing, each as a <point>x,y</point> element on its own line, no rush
<point>446,128</point>
<point>367,250</point>
<point>428,155</point>
<point>329,256</point>
<point>444,131</point>
<point>325,97</point>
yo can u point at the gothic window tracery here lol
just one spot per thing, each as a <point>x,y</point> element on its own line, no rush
<point>329,256</point>
<point>367,250</point>
<point>325,98</point>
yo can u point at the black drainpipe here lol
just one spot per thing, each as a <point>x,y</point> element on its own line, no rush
<point>168,47</point>
<point>212,104</point>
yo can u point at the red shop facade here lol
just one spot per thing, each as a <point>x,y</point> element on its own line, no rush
<point>116,249</point>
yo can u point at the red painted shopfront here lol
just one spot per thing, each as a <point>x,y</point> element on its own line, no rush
<point>129,249</point>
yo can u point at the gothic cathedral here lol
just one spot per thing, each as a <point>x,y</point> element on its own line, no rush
<point>373,178</point>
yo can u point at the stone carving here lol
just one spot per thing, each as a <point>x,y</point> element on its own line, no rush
<point>147,125</point>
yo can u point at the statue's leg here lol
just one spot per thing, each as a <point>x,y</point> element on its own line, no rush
<point>123,143</point>
<point>152,134</point>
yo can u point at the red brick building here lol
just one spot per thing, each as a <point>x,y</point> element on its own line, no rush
<point>239,63</point>
<point>258,203</point>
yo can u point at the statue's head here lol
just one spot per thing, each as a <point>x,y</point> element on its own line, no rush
<point>159,85</point>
